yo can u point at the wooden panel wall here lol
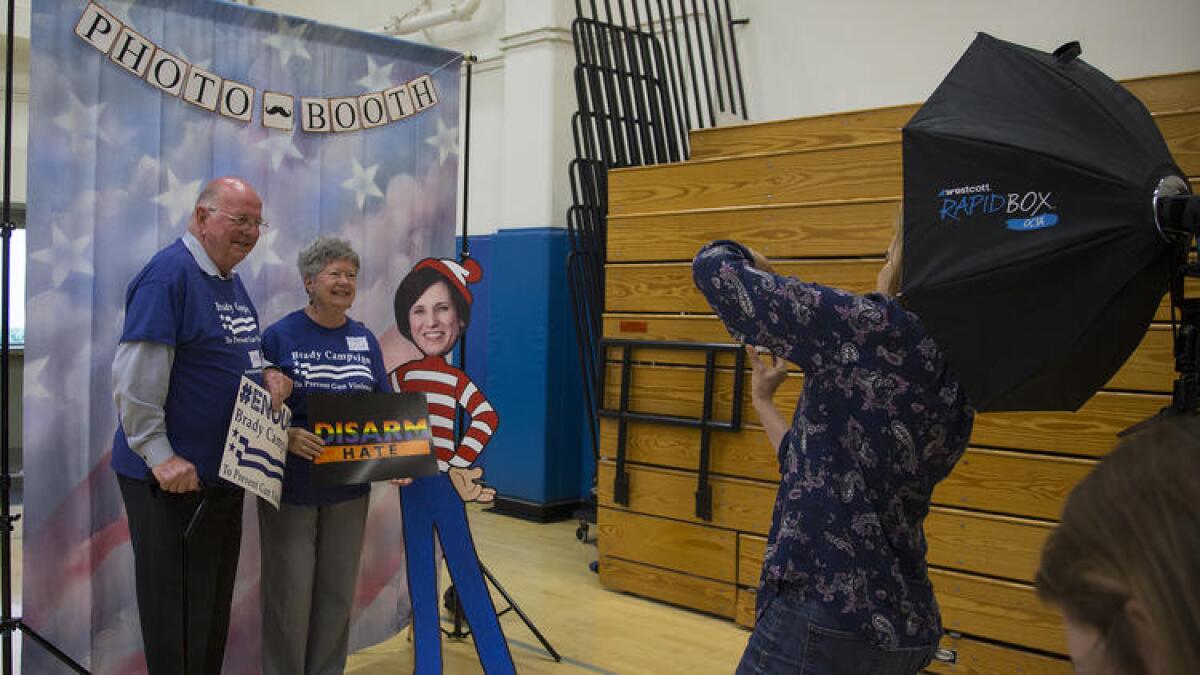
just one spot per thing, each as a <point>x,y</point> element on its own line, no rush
<point>819,197</point>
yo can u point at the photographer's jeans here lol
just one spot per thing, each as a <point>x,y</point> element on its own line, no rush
<point>789,638</point>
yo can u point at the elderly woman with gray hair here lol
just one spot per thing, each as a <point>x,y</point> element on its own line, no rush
<point>311,544</point>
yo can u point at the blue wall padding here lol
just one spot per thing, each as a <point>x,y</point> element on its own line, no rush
<point>529,367</point>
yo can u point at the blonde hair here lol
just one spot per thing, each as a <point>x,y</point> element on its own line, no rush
<point>1130,531</point>
<point>895,257</point>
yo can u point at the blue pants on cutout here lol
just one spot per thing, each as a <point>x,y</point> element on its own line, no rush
<point>430,504</point>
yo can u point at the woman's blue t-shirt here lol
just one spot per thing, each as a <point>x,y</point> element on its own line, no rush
<point>342,360</point>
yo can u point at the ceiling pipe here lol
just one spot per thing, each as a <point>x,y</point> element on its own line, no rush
<point>458,11</point>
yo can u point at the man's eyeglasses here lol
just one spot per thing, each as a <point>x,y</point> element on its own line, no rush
<point>242,221</point>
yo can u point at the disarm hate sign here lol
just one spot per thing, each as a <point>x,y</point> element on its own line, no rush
<point>370,437</point>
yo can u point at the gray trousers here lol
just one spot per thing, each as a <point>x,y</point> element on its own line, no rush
<point>310,560</point>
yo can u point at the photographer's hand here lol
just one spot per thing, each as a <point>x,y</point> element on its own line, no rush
<point>768,372</point>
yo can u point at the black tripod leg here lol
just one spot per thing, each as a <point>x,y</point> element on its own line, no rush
<point>512,604</point>
<point>54,651</point>
<point>459,618</point>
<point>8,622</point>
<point>451,602</point>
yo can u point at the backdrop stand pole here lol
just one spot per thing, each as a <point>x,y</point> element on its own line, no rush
<point>8,622</point>
<point>469,60</point>
<point>450,598</point>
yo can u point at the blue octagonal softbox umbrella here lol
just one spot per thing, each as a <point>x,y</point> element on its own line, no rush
<point>1031,250</point>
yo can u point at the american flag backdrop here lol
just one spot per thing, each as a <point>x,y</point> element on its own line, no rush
<point>115,166</point>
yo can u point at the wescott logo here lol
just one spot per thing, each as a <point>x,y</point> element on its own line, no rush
<point>966,190</point>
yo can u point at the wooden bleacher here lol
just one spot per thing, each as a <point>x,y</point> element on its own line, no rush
<point>818,196</point>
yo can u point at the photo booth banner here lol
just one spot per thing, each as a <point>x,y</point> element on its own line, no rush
<point>116,161</point>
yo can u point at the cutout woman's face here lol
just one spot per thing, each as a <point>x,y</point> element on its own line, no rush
<point>433,321</point>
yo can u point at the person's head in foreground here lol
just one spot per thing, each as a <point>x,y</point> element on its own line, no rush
<point>1124,564</point>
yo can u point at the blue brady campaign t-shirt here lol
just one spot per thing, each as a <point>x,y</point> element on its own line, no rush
<point>213,327</point>
<point>342,360</point>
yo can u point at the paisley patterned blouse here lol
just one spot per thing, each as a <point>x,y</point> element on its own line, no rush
<point>882,419</point>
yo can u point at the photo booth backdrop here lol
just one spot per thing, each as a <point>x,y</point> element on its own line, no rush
<point>115,166</point>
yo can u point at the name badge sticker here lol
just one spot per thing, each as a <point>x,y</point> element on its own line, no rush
<point>356,343</point>
<point>256,359</point>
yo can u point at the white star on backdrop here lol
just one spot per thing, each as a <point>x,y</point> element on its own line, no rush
<point>378,77</point>
<point>288,41</point>
<point>264,254</point>
<point>179,198</point>
<point>81,122</point>
<point>33,386</point>
<point>197,138</point>
<point>279,145</point>
<point>65,255</point>
<point>445,140</point>
<point>362,183</point>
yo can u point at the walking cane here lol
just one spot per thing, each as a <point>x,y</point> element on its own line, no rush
<point>187,535</point>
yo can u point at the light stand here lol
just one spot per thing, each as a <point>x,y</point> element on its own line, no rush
<point>1178,217</point>
<point>8,622</point>
<point>451,597</point>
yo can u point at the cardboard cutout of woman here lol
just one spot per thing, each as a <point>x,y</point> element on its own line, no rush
<point>433,308</point>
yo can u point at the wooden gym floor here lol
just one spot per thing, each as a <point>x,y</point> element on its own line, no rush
<point>596,631</point>
<point>546,570</point>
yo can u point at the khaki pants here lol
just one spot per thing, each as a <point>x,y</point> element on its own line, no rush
<point>310,560</point>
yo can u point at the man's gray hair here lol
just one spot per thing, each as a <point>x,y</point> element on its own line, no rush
<point>208,198</point>
<point>323,251</point>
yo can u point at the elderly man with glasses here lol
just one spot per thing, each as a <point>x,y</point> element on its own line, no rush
<point>190,333</point>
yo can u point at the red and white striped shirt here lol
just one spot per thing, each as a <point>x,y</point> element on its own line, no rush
<point>445,388</point>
